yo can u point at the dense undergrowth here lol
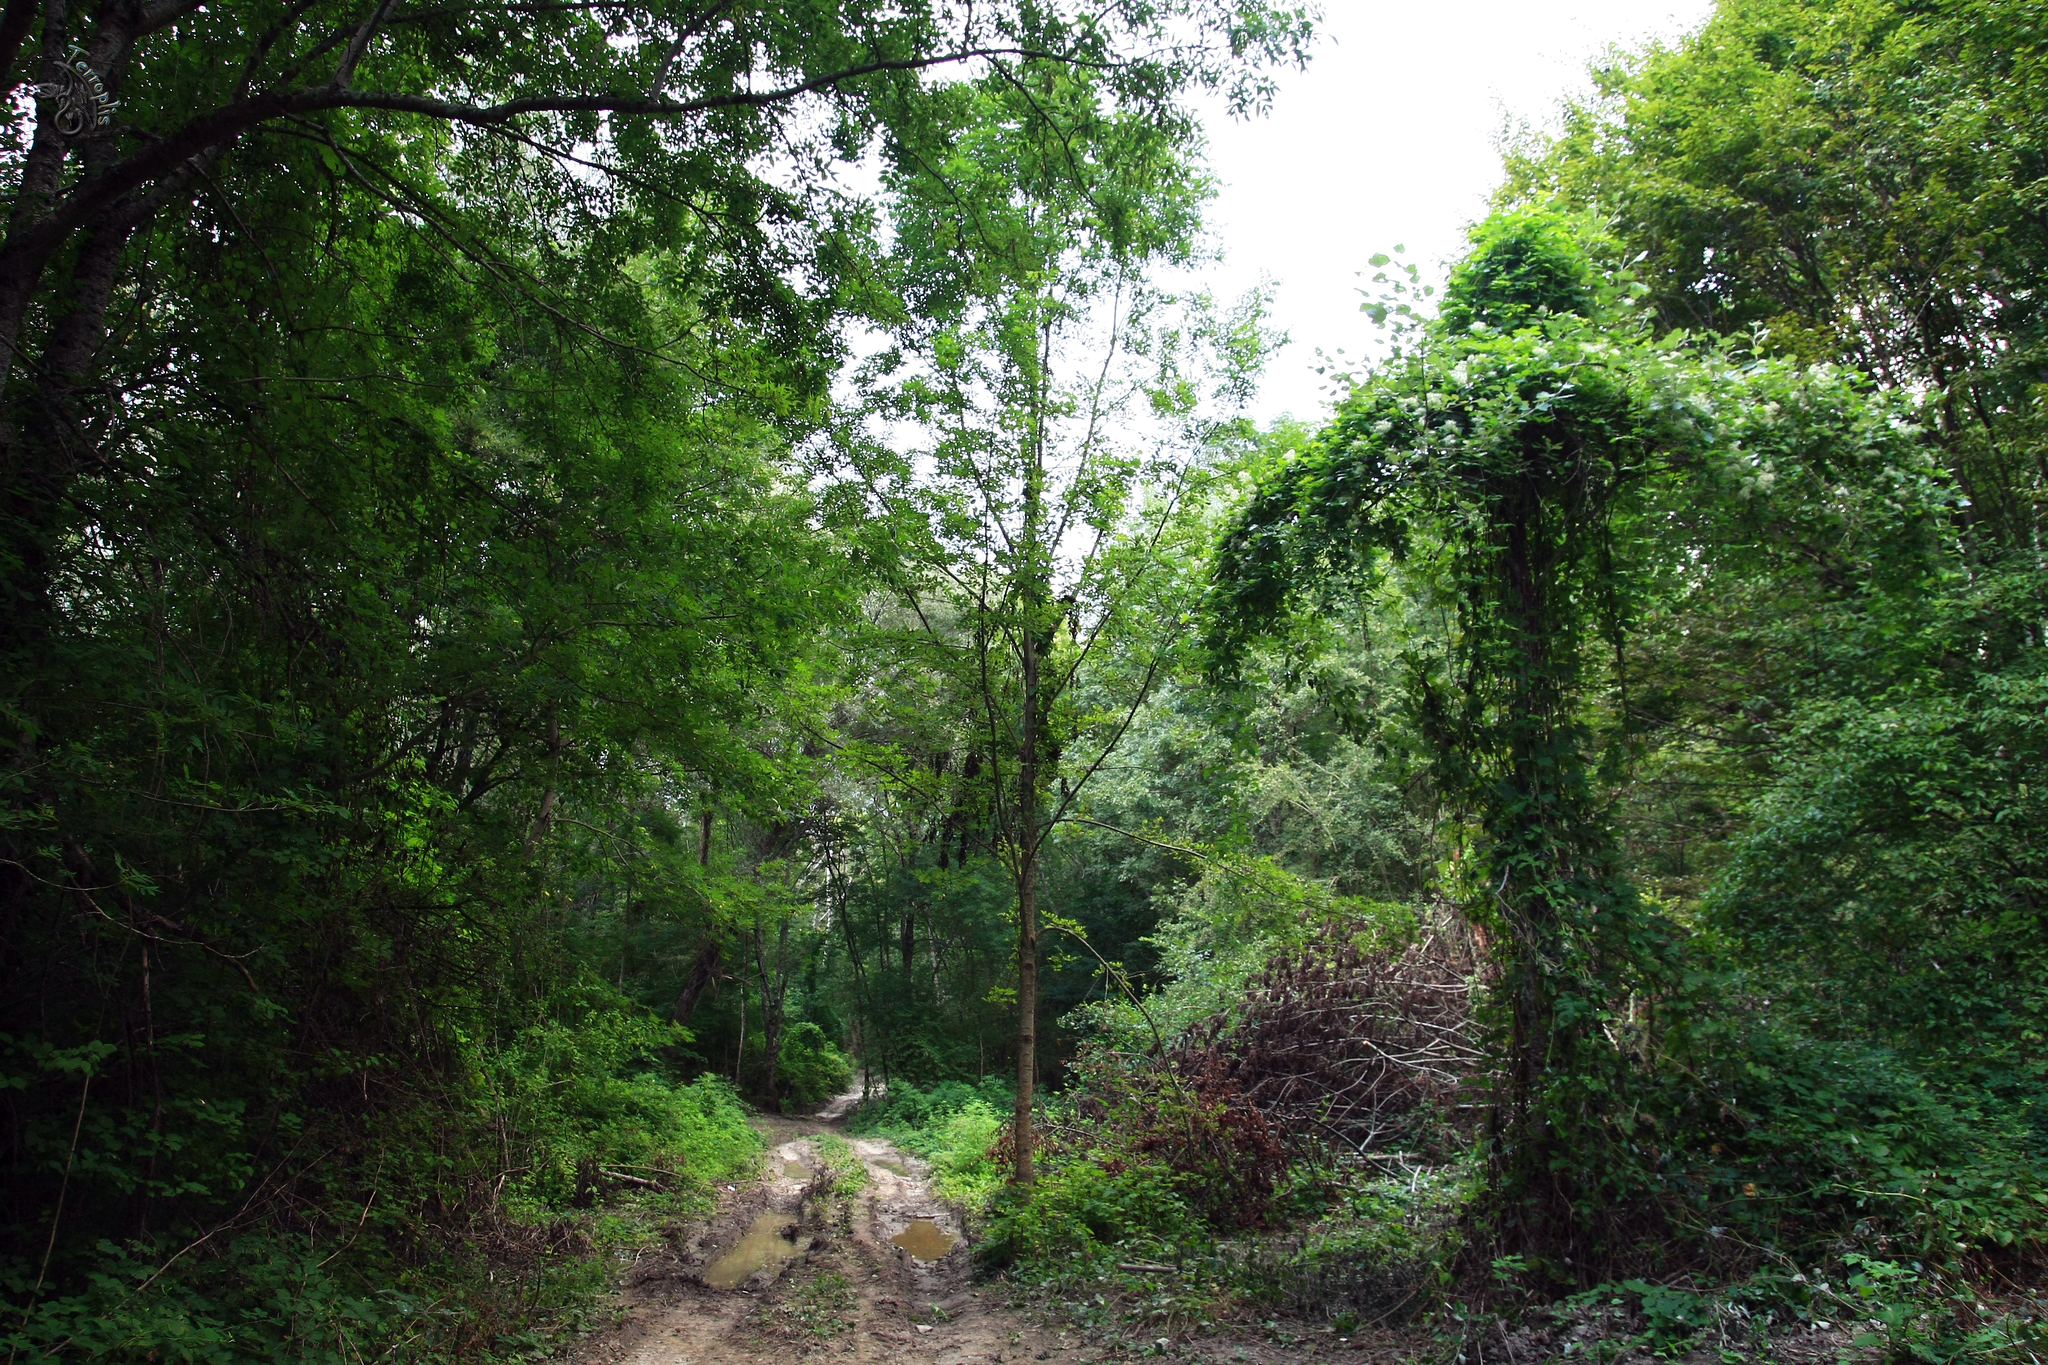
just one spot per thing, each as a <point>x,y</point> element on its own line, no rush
<point>1889,1251</point>
<point>497,675</point>
<point>486,1232</point>
<point>952,1125</point>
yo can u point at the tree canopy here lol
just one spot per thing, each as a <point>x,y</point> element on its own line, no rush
<point>575,571</point>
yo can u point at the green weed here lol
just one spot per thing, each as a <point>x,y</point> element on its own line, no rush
<point>849,1173</point>
<point>821,1305</point>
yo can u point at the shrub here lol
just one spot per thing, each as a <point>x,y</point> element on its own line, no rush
<point>1086,1206</point>
<point>809,1070</point>
<point>584,1096</point>
<point>905,1111</point>
<point>461,1250</point>
<point>959,1153</point>
<point>1191,1117</point>
<point>1796,1142</point>
<point>953,1125</point>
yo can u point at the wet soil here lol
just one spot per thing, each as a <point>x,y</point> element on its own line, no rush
<point>924,1240</point>
<point>785,1271</point>
<point>772,1239</point>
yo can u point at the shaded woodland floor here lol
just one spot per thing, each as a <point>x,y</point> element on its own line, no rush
<point>833,1286</point>
<point>838,1288</point>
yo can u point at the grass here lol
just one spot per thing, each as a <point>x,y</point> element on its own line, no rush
<point>821,1306</point>
<point>849,1173</point>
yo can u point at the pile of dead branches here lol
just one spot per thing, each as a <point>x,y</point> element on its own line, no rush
<point>1361,1050</point>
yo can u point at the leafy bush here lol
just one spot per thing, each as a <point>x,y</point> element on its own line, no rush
<point>1798,1141</point>
<point>584,1096</point>
<point>1084,1207</point>
<point>554,1119</point>
<point>960,1154</point>
<point>904,1110</point>
<point>953,1125</point>
<point>1380,1249</point>
<point>809,1069</point>
<point>1910,1313</point>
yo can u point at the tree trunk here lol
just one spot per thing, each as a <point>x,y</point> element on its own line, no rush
<point>1027,1007</point>
<point>1027,837</point>
<point>774,988</point>
<point>702,972</point>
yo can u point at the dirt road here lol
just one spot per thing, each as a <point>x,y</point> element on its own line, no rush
<point>786,1270</point>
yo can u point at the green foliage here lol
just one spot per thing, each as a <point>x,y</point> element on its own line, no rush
<point>1226,1156</point>
<point>1899,853</point>
<point>469,681</point>
<point>812,1070</point>
<point>1908,1313</point>
<point>1855,179</point>
<point>954,1126</point>
<point>1792,1139</point>
<point>904,1110</point>
<point>587,1097</point>
<point>1089,1207</point>
<point>408,533</point>
<point>1523,267</point>
<point>961,1153</point>
<point>1819,753</point>
<point>1495,464</point>
<point>849,1173</point>
<point>1560,488</point>
<point>409,529</point>
<point>576,1100</point>
<point>1381,1248</point>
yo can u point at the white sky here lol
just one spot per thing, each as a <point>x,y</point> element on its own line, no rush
<point>1391,137</point>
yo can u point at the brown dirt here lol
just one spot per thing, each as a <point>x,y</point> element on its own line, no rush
<point>847,1294</point>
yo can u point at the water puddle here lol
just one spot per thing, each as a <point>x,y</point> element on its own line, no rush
<point>923,1240</point>
<point>795,1170</point>
<point>765,1244</point>
<point>893,1167</point>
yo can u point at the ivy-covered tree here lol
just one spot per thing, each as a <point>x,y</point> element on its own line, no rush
<point>1537,468</point>
<point>1837,719</point>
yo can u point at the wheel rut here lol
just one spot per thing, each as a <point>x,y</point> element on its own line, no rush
<point>787,1270</point>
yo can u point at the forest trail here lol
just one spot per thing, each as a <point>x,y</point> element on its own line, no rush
<point>785,1270</point>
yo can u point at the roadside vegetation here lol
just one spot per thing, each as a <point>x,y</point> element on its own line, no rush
<point>539,617</point>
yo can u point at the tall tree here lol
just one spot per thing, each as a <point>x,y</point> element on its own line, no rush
<point>1535,464</point>
<point>1825,720</point>
<point>1857,180</point>
<point>1068,429</point>
<point>501,132</point>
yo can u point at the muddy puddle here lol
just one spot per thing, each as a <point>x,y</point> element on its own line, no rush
<point>796,1170</point>
<point>764,1245</point>
<point>924,1240</point>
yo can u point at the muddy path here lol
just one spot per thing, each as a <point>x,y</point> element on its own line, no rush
<point>787,1270</point>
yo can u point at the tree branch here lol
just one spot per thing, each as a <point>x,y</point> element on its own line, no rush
<point>229,121</point>
<point>345,72</point>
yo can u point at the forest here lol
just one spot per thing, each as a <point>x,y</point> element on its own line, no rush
<point>576,574</point>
